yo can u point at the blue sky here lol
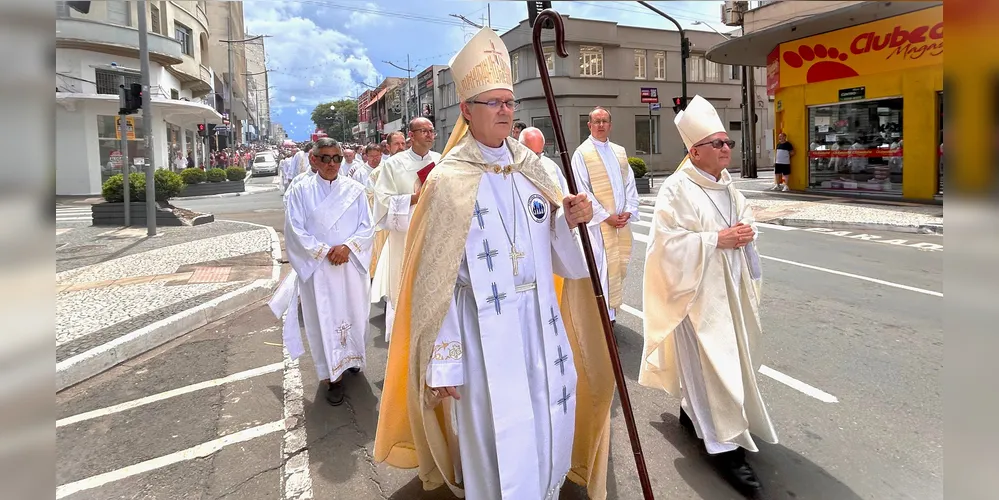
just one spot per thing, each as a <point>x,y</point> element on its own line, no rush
<point>322,50</point>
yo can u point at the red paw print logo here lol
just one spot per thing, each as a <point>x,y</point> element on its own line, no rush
<point>828,63</point>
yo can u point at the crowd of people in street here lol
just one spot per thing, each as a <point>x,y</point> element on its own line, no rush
<point>498,381</point>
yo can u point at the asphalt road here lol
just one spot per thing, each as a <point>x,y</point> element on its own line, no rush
<point>853,347</point>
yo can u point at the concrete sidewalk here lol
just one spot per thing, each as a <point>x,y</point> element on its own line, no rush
<point>120,293</point>
<point>811,210</point>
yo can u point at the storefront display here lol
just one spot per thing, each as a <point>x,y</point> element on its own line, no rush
<point>109,139</point>
<point>856,146</point>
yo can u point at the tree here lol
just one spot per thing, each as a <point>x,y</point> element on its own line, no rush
<point>336,118</point>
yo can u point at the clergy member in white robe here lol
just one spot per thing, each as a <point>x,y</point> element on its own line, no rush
<point>396,192</point>
<point>328,235</point>
<point>479,357</point>
<point>360,171</point>
<point>702,299</point>
<point>603,173</point>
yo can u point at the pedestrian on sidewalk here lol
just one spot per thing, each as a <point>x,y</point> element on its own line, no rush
<point>702,299</point>
<point>328,235</point>
<point>782,165</point>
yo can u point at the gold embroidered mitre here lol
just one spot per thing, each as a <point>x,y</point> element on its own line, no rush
<point>698,121</point>
<point>483,64</point>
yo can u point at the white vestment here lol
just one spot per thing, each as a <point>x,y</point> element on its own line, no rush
<point>625,197</point>
<point>503,346</point>
<point>711,310</point>
<point>322,215</point>
<point>301,161</point>
<point>360,172</point>
<point>555,171</point>
<point>396,183</point>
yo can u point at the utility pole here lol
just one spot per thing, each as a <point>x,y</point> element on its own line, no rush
<point>147,123</point>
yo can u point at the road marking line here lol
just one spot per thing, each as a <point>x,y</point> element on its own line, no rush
<point>295,477</point>
<point>856,276</point>
<point>632,311</point>
<point>778,227</point>
<point>641,223</point>
<point>766,370</point>
<point>200,451</point>
<point>128,405</point>
<point>798,385</point>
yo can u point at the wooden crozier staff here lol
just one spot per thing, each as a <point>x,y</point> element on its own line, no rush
<point>591,263</point>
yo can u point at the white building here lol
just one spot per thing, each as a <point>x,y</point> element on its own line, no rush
<point>87,140</point>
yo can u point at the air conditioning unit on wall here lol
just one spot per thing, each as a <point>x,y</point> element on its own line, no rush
<point>731,12</point>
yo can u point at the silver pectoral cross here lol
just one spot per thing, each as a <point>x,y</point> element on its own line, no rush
<point>514,256</point>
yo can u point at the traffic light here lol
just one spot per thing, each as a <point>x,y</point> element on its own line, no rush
<point>678,105</point>
<point>130,99</point>
<point>202,130</point>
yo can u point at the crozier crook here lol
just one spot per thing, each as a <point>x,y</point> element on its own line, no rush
<point>591,263</point>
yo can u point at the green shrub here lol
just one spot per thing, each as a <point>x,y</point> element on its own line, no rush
<point>235,173</point>
<point>638,166</point>
<point>113,189</point>
<point>193,175</point>
<point>169,184</point>
<point>215,175</point>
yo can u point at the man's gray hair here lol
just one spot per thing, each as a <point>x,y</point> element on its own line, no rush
<point>599,108</point>
<point>327,142</point>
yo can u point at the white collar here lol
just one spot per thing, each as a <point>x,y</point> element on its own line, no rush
<point>598,142</point>
<point>415,156</point>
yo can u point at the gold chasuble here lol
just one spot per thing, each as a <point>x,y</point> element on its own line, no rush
<point>409,434</point>
<point>617,242</point>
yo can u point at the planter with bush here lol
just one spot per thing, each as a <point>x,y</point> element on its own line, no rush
<point>212,181</point>
<point>168,185</point>
<point>643,184</point>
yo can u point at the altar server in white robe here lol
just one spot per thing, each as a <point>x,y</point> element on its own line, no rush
<point>602,171</point>
<point>702,299</point>
<point>287,173</point>
<point>328,235</point>
<point>360,170</point>
<point>396,192</point>
<point>478,356</point>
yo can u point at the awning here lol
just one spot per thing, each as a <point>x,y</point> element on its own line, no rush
<point>376,98</point>
<point>753,48</point>
<point>176,111</point>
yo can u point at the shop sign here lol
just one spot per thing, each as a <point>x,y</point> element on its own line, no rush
<point>773,71</point>
<point>116,158</point>
<point>650,95</point>
<point>852,94</point>
<point>902,42</point>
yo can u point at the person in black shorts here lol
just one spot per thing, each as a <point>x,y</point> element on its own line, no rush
<point>782,165</point>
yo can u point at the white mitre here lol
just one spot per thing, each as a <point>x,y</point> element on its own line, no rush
<point>698,121</point>
<point>483,64</point>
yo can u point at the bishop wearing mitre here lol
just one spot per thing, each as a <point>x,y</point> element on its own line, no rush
<point>328,235</point>
<point>480,383</point>
<point>397,191</point>
<point>702,300</point>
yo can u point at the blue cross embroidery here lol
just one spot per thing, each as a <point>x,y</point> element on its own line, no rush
<point>487,254</point>
<point>554,321</point>
<point>478,215</point>
<point>564,401</point>
<point>560,361</point>
<point>495,299</point>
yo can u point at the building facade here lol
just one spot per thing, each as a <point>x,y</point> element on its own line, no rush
<point>858,90</point>
<point>257,90</point>
<point>98,51</point>
<point>226,23</point>
<point>608,66</point>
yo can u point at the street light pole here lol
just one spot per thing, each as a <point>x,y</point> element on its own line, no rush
<point>409,79</point>
<point>684,50</point>
<point>147,123</point>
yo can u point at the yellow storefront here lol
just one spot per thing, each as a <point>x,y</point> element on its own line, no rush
<point>863,106</point>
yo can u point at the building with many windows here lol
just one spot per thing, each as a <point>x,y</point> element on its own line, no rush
<point>608,66</point>
<point>257,90</point>
<point>88,140</point>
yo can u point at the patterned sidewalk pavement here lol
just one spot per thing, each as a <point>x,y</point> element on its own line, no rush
<point>111,282</point>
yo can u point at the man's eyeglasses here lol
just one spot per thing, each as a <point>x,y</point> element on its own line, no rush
<point>428,131</point>
<point>718,143</point>
<point>329,158</point>
<point>494,104</point>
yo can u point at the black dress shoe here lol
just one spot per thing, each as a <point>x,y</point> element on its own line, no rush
<point>334,395</point>
<point>354,370</point>
<point>686,423</point>
<point>736,470</point>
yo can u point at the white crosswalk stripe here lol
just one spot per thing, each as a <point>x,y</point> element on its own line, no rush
<point>67,213</point>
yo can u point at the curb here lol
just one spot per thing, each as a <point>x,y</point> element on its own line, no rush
<point>862,226</point>
<point>104,357</point>
<point>230,195</point>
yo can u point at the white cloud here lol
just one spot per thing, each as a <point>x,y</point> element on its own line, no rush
<point>361,19</point>
<point>302,112</point>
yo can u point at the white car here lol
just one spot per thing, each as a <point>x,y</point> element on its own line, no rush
<point>264,164</point>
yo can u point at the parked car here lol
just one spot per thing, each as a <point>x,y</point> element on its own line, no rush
<point>264,164</point>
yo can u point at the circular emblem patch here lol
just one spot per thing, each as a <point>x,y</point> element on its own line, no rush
<point>538,207</point>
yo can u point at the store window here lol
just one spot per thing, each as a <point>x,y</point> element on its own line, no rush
<point>856,146</point>
<point>109,143</point>
<point>642,135</point>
